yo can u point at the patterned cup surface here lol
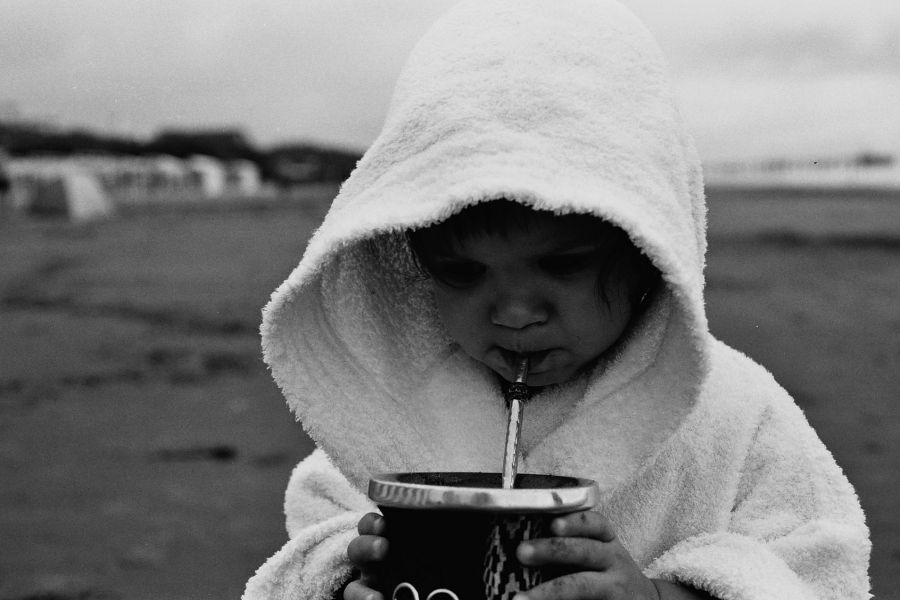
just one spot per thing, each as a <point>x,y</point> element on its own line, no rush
<point>454,535</point>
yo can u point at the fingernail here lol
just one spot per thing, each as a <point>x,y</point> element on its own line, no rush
<point>525,552</point>
<point>558,526</point>
<point>379,546</point>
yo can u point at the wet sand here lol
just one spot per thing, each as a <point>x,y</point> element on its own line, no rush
<point>144,449</point>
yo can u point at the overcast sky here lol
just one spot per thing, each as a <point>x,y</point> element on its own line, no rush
<point>754,79</point>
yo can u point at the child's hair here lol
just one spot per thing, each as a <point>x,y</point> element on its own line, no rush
<point>618,253</point>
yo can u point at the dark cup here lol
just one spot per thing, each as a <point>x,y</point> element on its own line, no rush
<point>453,536</point>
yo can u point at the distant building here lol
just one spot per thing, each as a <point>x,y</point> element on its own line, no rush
<point>302,163</point>
<point>866,170</point>
<point>224,144</point>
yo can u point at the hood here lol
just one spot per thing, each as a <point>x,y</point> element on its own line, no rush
<point>563,106</point>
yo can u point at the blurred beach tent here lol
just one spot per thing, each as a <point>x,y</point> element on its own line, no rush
<point>207,174</point>
<point>58,187</point>
<point>73,194</point>
<point>130,182</point>
<point>243,176</point>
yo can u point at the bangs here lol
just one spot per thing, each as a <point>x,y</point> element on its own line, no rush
<point>497,217</point>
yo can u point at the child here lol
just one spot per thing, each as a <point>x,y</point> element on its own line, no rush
<point>534,191</point>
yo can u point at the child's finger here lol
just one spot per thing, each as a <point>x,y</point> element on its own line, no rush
<point>367,550</point>
<point>585,523</point>
<point>568,552</point>
<point>356,590</point>
<point>371,524</point>
<point>577,586</point>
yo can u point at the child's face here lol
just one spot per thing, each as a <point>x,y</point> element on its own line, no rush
<point>531,290</point>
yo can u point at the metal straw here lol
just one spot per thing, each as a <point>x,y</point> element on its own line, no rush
<point>516,395</point>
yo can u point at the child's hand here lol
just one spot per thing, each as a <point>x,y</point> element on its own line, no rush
<point>367,552</point>
<point>592,561</point>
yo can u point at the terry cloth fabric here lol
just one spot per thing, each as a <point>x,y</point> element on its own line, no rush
<point>708,471</point>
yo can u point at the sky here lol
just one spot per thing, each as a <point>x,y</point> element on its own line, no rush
<point>754,80</point>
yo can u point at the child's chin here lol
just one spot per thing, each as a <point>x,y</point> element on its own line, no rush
<point>548,378</point>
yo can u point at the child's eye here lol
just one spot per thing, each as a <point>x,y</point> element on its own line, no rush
<point>567,264</point>
<point>457,273</point>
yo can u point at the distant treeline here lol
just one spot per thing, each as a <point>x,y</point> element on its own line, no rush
<point>285,163</point>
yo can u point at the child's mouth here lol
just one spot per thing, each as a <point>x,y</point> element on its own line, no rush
<point>535,358</point>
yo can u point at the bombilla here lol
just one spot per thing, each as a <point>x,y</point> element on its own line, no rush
<point>516,395</point>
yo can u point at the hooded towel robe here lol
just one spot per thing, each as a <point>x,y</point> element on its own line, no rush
<point>708,471</point>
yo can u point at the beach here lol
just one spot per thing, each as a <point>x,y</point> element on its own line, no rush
<point>144,449</point>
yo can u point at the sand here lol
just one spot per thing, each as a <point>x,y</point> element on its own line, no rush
<point>144,449</point>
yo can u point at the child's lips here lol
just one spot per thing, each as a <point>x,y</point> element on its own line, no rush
<point>536,358</point>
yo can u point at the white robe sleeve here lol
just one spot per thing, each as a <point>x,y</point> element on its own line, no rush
<point>322,511</point>
<point>796,530</point>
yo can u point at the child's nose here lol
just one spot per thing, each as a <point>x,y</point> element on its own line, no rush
<point>518,311</point>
